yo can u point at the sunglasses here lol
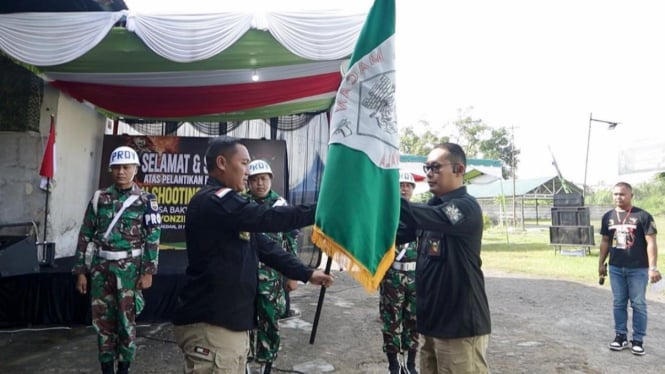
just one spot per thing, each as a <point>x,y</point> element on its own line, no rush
<point>434,167</point>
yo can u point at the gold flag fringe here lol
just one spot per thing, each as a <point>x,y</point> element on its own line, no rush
<point>350,264</point>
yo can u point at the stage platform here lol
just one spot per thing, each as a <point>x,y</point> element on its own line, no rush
<point>48,297</point>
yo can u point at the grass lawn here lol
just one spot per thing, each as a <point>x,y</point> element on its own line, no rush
<point>529,252</point>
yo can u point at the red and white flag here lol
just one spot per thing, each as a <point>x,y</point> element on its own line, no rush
<point>47,170</point>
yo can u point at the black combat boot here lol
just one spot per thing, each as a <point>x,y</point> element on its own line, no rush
<point>123,367</point>
<point>411,362</point>
<point>107,368</point>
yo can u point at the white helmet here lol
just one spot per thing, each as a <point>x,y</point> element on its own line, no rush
<point>406,177</point>
<point>124,156</point>
<point>259,167</point>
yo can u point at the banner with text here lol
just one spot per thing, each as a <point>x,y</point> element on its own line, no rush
<point>173,169</point>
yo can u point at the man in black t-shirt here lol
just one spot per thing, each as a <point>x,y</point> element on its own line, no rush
<point>629,237</point>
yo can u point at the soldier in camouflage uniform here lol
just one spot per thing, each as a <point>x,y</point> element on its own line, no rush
<point>271,301</point>
<point>123,255</point>
<point>397,303</point>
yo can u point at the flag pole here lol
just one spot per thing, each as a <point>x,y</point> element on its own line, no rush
<point>47,170</point>
<point>319,306</point>
<point>48,192</point>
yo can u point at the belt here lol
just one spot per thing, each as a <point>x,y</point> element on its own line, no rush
<point>404,266</point>
<point>118,255</point>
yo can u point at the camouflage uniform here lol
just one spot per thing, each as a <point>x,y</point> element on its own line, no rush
<point>397,305</point>
<point>270,301</point>
<point>113,282</point>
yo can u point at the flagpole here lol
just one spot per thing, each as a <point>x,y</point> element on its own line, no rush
<point>46,171</point>
<point>319,306</point>
<point>48,192</point>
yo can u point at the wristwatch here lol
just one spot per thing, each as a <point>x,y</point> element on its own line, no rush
<point>653,268</point>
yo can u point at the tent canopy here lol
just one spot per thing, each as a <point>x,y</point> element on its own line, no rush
<point>214,67</point>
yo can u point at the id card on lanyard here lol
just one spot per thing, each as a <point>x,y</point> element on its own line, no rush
<point>621,233</point>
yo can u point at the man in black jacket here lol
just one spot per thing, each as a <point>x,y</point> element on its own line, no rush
<point>217,306</point>
<point>452,311</point>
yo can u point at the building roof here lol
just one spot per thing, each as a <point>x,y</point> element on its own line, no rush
<point>469,161</point>
<point>477,170</point>
<point>535,188</point>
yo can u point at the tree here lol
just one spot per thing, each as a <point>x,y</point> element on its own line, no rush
<point>647,195</point>
<point>478,139</point>
<point>500,146</point>
<point>413,144</point>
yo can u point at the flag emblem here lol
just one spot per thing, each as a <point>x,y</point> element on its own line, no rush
<point>358,208</point>
<point>453,213</point>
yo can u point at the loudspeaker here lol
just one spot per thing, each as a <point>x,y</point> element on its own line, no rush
<point>568,199</point>
<point>571,216</point>
<point>18,255</point>
<point>575,235</point>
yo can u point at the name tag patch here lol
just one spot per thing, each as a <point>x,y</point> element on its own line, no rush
<point>152,219</point>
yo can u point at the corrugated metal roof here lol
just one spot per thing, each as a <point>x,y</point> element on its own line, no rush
<point>469,161</point>
<point>543,187</point>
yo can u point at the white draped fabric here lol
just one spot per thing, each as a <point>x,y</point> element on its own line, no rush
<point>183,38</point>
<point>311,36</point>
<point>46,39</point>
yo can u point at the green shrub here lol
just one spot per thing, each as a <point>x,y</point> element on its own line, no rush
<point>487,222</point>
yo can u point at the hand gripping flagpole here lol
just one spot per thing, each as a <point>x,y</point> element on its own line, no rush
<point>319,306</point>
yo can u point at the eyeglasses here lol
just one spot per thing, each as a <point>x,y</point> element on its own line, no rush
<point>434,167</point>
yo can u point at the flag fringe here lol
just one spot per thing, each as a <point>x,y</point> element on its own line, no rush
<point>350,264</point>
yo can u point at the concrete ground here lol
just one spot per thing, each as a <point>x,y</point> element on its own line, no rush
<point>539,325</point>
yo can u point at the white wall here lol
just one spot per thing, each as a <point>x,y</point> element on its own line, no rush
<point>20,158</point>
<point>79,135</point>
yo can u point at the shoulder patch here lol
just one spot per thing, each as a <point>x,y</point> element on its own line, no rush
<point>453,213</point>
<point>280,202</point>
<point>222,192</point>
<point>151,216</point>
<point>152,204</point>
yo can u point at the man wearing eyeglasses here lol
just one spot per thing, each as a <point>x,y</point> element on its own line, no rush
<point>452,312</point>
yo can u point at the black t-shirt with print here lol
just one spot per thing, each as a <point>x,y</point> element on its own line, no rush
<point>627,231</point>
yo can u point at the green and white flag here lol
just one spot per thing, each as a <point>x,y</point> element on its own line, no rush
<point>358,209</point>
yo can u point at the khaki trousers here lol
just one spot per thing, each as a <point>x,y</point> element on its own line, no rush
<point>212,349</point>
<point>453,356</point>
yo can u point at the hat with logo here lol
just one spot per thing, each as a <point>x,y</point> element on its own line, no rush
<point>123,156</point>
<point>259,167</point>
<point>406,177</point>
